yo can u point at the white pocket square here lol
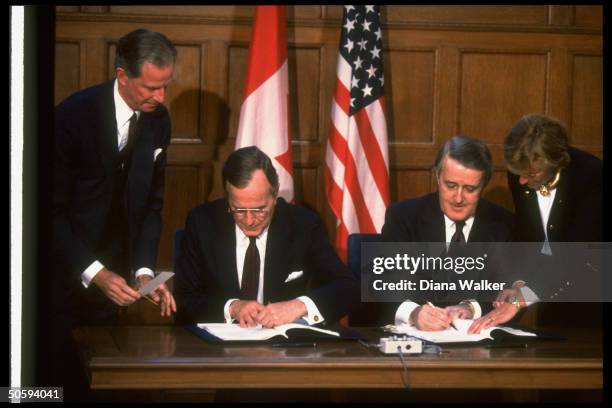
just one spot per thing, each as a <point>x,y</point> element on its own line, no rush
<point>156,153</point>
<point>294,275</point>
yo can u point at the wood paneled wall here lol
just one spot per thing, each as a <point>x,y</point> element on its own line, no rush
<point>449,69</point>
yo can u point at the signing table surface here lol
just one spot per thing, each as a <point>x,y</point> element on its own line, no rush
<point>169,357</point>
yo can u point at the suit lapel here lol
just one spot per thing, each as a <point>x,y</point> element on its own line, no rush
<point>279,238</point>
<point>107,136</point>
<point>225,245</point>
<point>480,230</point>
<point>432,227</point>
<point>557,210</point>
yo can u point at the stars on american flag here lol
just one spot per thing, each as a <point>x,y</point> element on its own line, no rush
<point>361,46</point>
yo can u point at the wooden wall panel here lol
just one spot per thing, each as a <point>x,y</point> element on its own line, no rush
<point>238,58</point>
<point>589,16</point>
<point>410,183</point>
<point>448,69</point>
<point>184,93</point>
<point>409,81</point>
<point>305,183</point>
<point>67,65</point>
<point>303,11</point>
<point>476,14</point>
<point>182,11</point>
<point>304,79</point>
<point>497,189</point>
<point>497,89</point>
<point>180,197</point>
<point>587,101</point>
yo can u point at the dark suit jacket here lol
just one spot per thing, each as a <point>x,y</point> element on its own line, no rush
<point>576,216</point>
<point>85,153</point>
<point>577,211</point>
<point>422,220</point>
<point>206,274</point>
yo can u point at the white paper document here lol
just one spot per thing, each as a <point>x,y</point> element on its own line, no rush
<point>155,282</point>
<point>450,335</point>
<point>233,332</point>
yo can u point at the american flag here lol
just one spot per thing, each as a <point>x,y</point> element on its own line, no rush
<point>264,115</point>
<point>357,158</point>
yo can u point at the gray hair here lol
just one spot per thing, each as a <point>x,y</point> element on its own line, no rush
<point>470,152</point>
<point>140,46</point>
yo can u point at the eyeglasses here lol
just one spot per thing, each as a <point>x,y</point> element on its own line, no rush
<point>255,212</point>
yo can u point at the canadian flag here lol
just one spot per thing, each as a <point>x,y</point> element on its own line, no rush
<point>264,116</point>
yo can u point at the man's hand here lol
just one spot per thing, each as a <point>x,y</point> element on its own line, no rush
<point>499,315</point>
<point>458,312</point>
<point>245,311</point>
<point>430,318</point>
<point>160,294</point>
<point>115,287</point>
<point>275,314</point>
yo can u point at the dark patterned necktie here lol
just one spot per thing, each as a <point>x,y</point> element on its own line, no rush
<point>250,272</point>
<point>457,240</point>
<point>458,236</point>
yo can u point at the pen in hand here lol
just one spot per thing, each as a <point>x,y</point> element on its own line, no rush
<point>146,296</point>
<point>451,324</point>
<point>150,300</point>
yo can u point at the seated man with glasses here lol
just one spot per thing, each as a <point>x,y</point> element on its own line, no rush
<point>253,258</point>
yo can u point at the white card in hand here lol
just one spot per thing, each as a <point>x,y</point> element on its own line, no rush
<point>158,280</point>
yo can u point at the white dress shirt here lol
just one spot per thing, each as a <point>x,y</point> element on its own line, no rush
<point>545,204</point>
<point>123,113</point>
<point>402,315</point>
<point>242,244</point>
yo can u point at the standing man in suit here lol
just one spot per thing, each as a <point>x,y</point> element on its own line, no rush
<point>456,213</point>
<point>558,196</point>
<point>253,258</point>
<point>109,164</point>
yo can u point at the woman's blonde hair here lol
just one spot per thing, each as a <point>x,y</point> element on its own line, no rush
<point>536,140</point>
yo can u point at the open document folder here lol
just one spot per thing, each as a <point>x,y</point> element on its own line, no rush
<point>286,333</point>
<point>233,332</point>
<point>460,335</point>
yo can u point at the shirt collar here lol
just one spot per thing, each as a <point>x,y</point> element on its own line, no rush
<point>123,112</point>
<point>450,226</point>
<point>242,238</point>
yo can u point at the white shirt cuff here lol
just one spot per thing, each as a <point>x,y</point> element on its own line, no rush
<point>529,296</point>
<point>402,315</point>
<point>477,309</point>
<point>144,271</point>
<point>89,273</point>
<point>226,311</point>
<point>313,316</point>
<point>475,306</point>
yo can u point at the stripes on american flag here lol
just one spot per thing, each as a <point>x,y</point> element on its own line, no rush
<point>264,115</point>
<point>357,160</point>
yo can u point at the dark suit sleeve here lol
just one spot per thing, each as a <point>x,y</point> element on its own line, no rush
<point>198,296</point>
<point>337,292</point>
<point>394,229</point>
<point>70,254</point>
<point>585,223</point>
<point>146,244</point>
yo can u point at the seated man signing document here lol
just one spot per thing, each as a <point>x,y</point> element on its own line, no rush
<point>253,258</point>
<point>455,214</point>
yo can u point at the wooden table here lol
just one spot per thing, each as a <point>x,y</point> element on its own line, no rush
<point>172,358</point>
